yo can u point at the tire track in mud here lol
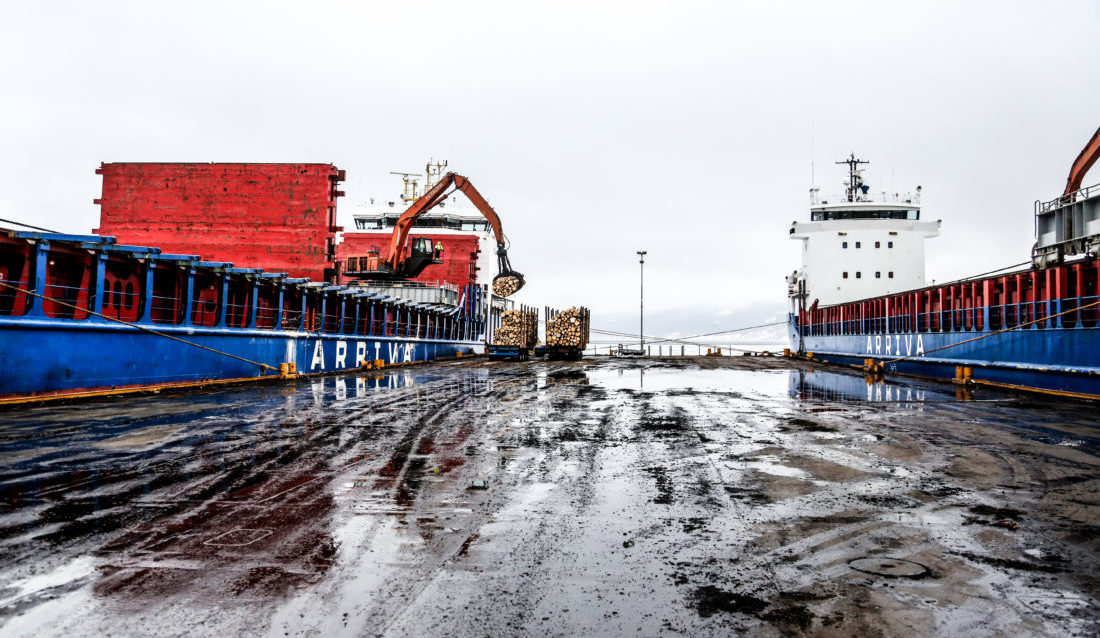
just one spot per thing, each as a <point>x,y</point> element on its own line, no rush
<point>227,464</point>
<point>562,433</point>
<point>846,533</point>
<point>391,600</point>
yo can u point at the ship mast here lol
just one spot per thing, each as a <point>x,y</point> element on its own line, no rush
<point>855,177</point>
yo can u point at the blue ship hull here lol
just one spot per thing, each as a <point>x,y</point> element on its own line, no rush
<point>1058,360</point>
<point>46,356</point>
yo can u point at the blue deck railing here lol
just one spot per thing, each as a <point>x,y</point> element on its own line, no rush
<point>1029,315</point>
<point>361,317</point>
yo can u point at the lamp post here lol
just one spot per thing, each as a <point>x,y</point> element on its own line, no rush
<point>641,299</point>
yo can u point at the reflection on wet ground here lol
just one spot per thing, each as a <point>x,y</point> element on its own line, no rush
<point>694,496</point>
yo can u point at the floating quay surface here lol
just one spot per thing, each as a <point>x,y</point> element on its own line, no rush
<point>701,496</point>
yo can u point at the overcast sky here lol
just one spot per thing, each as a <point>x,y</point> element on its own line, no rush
<point>595,129</point>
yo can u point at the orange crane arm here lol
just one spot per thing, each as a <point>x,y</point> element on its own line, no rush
<point>429,200</point>
<point>464,185</point>
<point>1083,163</point>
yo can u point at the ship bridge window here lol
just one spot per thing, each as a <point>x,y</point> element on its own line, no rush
<point>823,215</point>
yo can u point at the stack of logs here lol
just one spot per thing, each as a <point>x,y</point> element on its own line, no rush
<point>505,286</point>
<point>518,328</point>
<point>568,328</point>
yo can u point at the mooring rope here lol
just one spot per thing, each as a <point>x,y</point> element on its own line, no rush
<point>993,334</point>
<point>263,366</point>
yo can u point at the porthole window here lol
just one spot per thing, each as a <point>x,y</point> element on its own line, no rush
<point>845,274</point>
<point>891,274</point>
<point>857,244</point>
<point>878,274</point>
<point>889,244</point>
<point>859,275</point>
<point>844,244</point>
<point>878,244</point>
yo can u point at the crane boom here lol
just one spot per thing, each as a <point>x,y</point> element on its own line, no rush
<point>398,264</point>
<point>429,200</point>
<point>1083,163</point>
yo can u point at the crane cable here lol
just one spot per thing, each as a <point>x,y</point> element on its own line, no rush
<point>263,366</point>
<point>993,334</point>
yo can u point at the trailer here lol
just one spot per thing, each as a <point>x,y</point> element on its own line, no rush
<point>516,353</point>
<point>516,336</point>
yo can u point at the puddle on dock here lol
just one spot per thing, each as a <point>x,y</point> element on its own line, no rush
<point>820,385</point>
<point>825,385</point>
<point>660,379</point>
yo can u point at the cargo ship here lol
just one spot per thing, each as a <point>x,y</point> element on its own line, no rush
<point>107,313</point>
<point>860,297</point>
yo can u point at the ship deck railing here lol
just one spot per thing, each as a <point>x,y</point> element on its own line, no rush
<point>1057,297</point>
<point>9,298</point>
<point>1080,194</point>
<point>90,280</point>
<point>378,283</point>
<point>423,321</point>
<point>1025,315</point>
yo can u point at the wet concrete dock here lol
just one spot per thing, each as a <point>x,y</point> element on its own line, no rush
<point>695,496</point>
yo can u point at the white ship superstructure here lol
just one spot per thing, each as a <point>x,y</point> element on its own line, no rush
<point>857,247</point>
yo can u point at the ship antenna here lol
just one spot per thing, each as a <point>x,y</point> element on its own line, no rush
<point>412,192</point>
<point>855,180</point>
<point>813,177</point>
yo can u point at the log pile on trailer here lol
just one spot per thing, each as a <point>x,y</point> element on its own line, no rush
<point>518,328</point>
<point>567,332</point>
<point>568,328</point>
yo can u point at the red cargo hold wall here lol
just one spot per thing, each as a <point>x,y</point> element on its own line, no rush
<point>279,217</point>
<point>460,253</point>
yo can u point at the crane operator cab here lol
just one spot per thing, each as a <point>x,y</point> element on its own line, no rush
<point>371,266</point>
<point>421,255</point>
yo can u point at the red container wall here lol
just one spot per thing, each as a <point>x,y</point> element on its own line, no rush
<point>279,217</point>
<point>460,254</point>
